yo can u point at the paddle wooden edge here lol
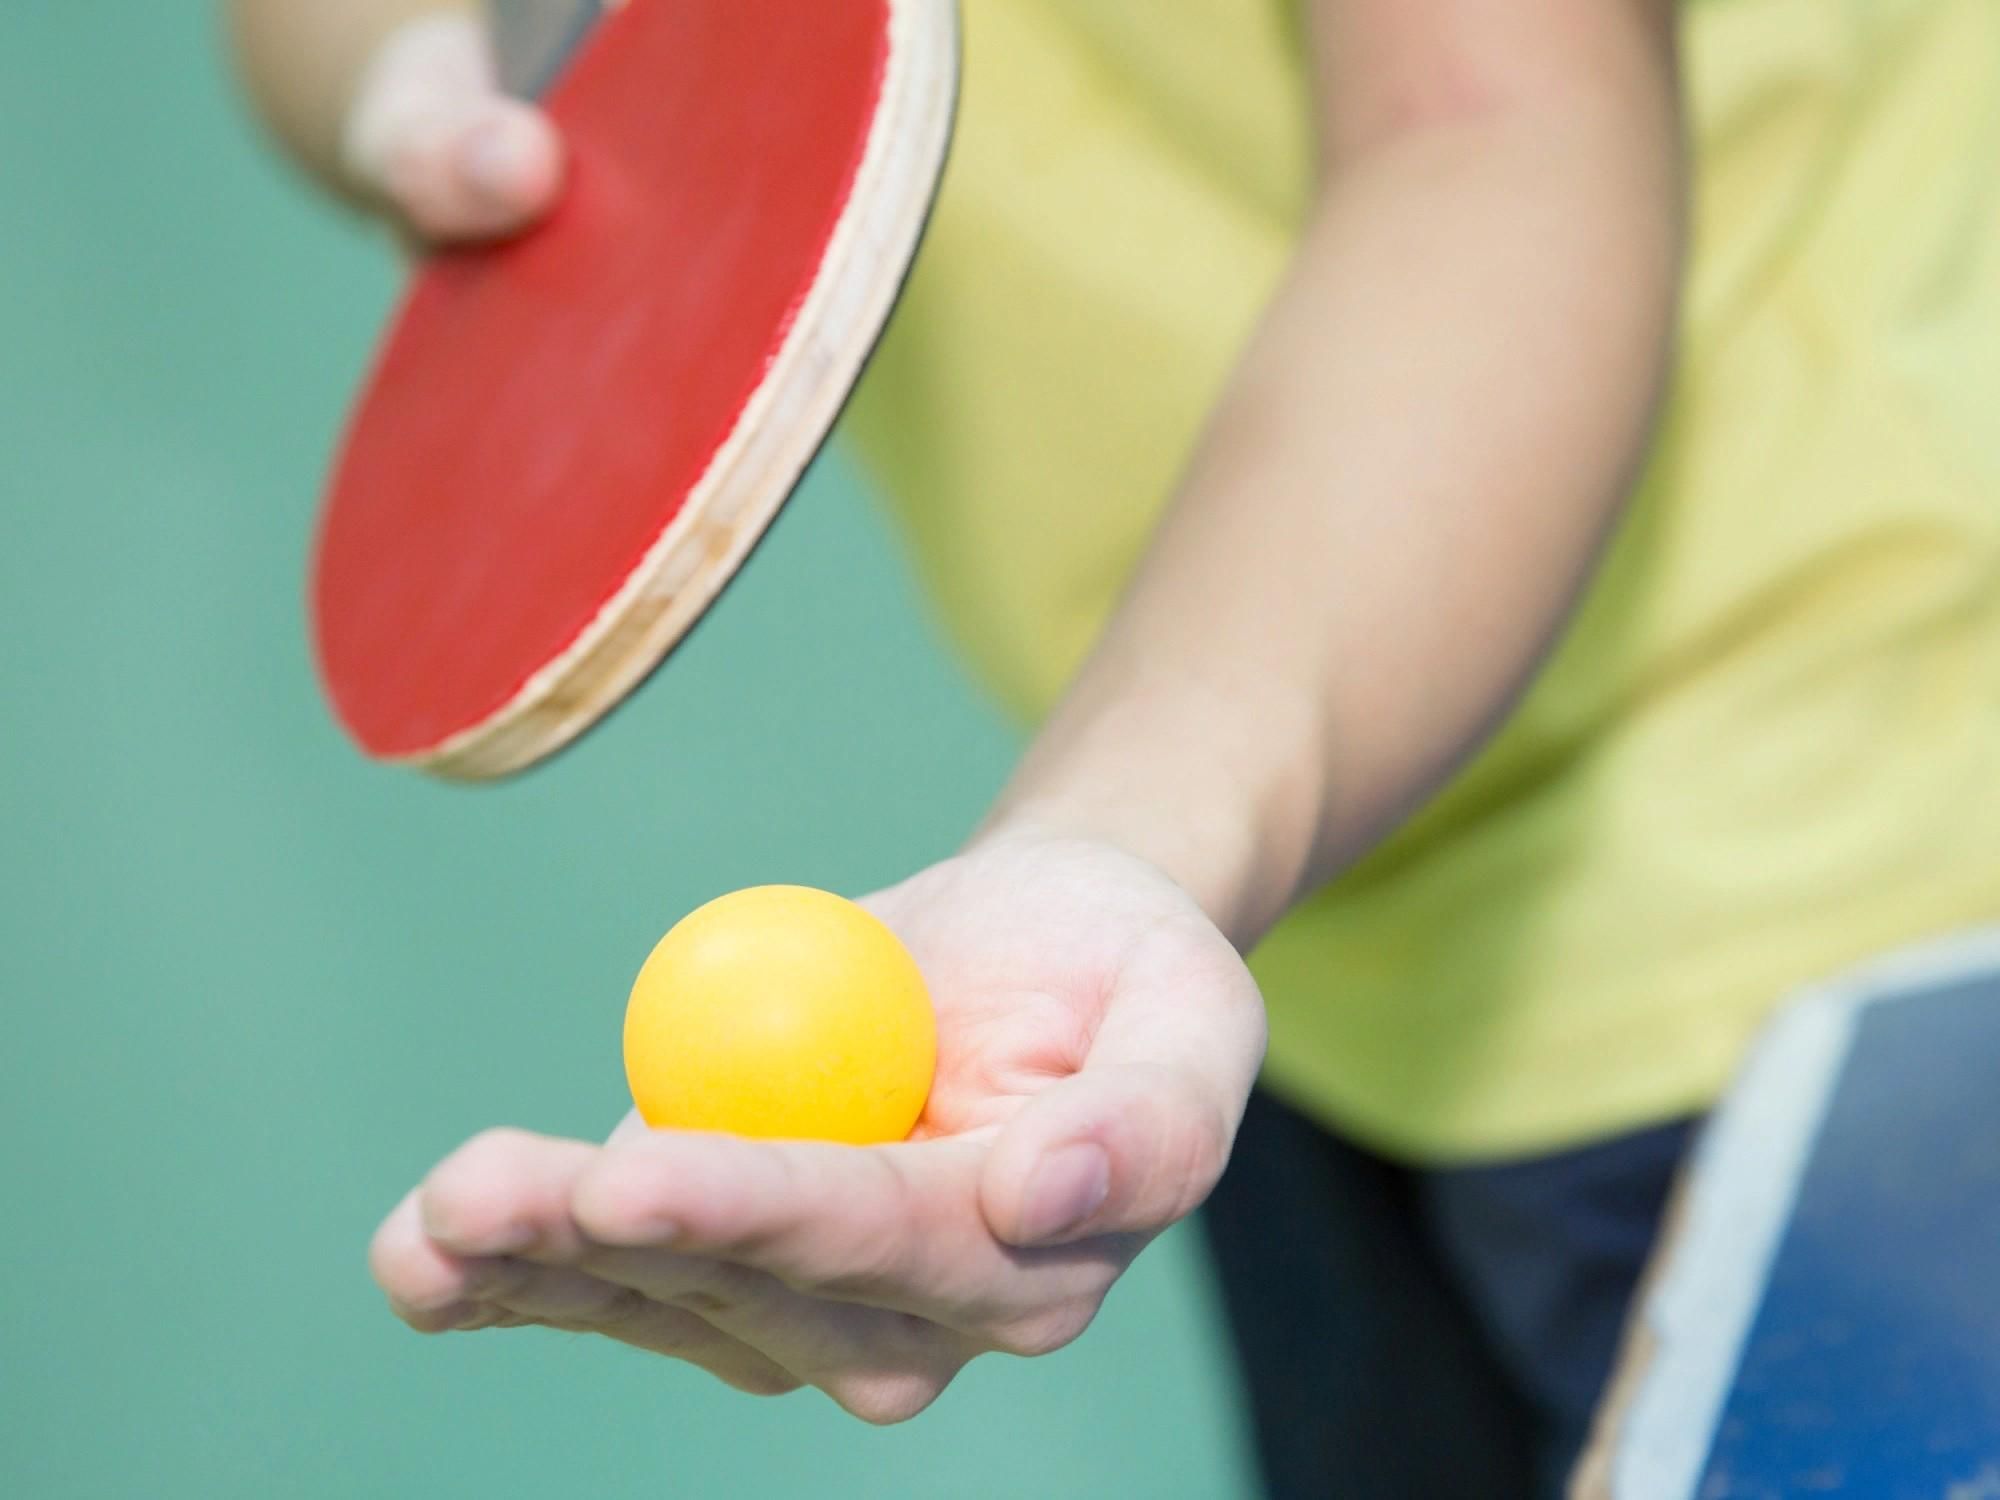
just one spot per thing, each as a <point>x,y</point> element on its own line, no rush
<point>1592,1479</point>
<point>777,435</point>
<point>1719,1235</point>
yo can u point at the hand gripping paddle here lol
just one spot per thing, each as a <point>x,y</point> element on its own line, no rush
<point>570,442</point>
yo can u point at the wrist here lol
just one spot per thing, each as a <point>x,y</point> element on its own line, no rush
<point>1220,795</point>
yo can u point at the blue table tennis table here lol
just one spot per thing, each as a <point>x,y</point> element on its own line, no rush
<point>1824,1315</point>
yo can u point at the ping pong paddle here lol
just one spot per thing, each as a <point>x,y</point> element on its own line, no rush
<point>1821,1316</point>
<point>569,443</point>
<point>532,39</point>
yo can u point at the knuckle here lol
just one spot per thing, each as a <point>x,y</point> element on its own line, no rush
<point>619,1207</point>
<point>767,1383</point>
<point>458,1196</point>
<point>1045,1331</point>
<point>891,1198</point>
<point>412,1280</point>
<point>1207,1154</point>
<point>388,1257</point>
<point>885,1400</point>
<point>492,1147</point>
<point>1195,1136</point>
<point>602,1216</point>
<point>856,1265</point>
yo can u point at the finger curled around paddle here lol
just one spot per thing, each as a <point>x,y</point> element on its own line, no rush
<point>430,135</point>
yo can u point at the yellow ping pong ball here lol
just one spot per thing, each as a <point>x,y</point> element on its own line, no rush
<point>781,1012</point>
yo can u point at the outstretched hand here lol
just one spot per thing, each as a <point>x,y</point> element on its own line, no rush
<point>1097,1039</point>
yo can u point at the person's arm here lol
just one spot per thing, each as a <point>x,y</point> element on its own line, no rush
<point>1395,505</point>
<point>392,105</point>
<point>1415,464</point>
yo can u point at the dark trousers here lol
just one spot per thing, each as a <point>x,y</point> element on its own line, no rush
<point>1424,1335</point>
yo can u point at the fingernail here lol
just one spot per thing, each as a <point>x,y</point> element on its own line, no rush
<point>492,158</point>
<point>1069,1186</point>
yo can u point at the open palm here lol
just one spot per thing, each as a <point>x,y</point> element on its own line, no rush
<point>1097,1039</point>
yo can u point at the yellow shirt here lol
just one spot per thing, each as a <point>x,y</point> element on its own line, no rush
<point>1770,743</point>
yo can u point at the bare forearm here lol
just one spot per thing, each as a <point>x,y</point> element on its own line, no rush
<point>301,61</point>
<point>1395,507</point>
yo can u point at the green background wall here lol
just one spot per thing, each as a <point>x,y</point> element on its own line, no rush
<point>250,986</point>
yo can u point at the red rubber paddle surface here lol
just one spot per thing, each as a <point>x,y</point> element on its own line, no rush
<point>541,409</point>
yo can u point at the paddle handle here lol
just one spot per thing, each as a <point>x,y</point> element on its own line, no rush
<point>533,39</point>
